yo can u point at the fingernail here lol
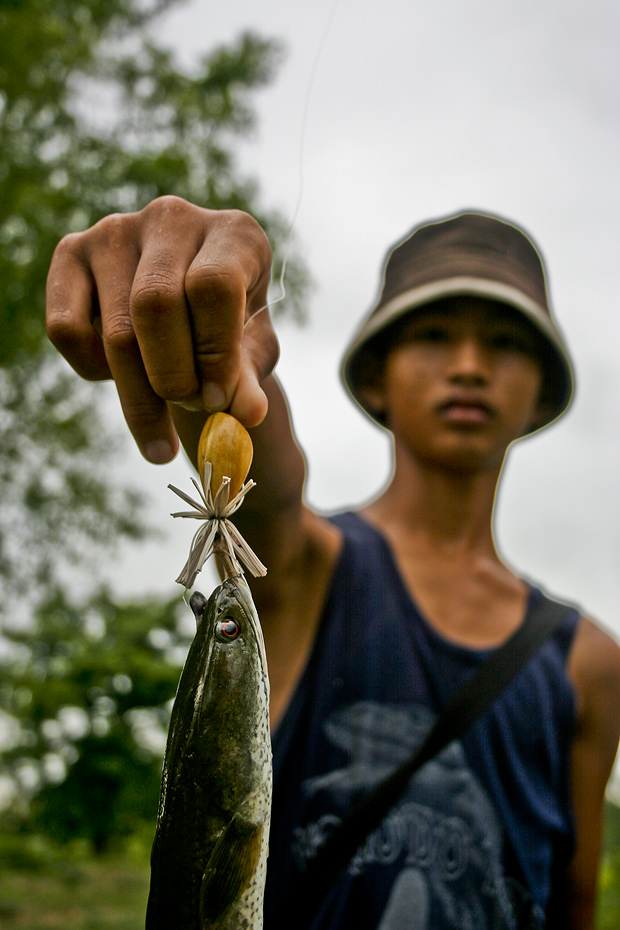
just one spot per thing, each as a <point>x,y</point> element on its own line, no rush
<point>213,396</point>
<point>158,452</point>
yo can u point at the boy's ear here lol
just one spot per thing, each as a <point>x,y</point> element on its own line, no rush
<point>371,378</point>
<point>542,414</point>
<point>373,396</point>
<point>542,417</point>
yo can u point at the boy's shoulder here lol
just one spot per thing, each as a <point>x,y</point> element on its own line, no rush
<point>595,670</point>
<point>596,655</point>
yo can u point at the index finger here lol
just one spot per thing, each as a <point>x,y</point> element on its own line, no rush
<point>225,284</point>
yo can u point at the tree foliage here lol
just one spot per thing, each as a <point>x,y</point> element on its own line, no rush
<point>92,691</point>
<point>96,119</point>
<point>57,506</point>
<point>96,116</point>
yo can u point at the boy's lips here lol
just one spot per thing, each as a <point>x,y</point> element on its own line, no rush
<point>465,408</point>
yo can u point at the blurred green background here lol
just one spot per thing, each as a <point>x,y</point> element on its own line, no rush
<point>94,118</point>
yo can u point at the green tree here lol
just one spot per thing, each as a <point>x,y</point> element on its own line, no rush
<point>92,690</point>
<point>95,117</point>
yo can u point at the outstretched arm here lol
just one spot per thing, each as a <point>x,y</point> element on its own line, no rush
<point>169,303</point>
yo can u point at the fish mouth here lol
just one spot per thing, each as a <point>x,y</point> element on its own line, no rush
<point>238,588</point>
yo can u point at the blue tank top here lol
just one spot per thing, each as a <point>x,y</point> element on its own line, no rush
<point>492,810</point>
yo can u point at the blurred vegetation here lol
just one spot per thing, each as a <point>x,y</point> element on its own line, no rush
<point>90,690</point>
<point>608,915</point>
<point>44,886</point>
<point>96,116</point>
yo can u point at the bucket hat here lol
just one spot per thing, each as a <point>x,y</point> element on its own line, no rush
<point>473,254</point>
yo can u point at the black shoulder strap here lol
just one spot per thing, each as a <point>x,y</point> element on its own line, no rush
<point>470,702</point>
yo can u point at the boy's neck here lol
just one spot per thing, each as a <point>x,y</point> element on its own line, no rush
<point>448,511</point>
<point>439,528</point>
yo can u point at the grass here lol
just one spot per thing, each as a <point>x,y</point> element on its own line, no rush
<point>43,889</point>
<point>47,887</point>
<point>609,880</point>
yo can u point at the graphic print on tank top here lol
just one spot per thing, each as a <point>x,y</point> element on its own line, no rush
<point>438,853</point>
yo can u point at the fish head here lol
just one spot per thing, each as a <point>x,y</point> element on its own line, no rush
<point>228,692</point>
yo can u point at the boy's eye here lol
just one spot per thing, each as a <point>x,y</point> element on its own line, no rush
<point>431,332</point>
<point>512,341</point>
<point>505,341</point>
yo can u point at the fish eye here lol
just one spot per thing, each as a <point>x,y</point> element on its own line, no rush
<point>227,629</point>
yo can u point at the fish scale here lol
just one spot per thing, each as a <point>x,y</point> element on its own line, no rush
<point>209,856</point>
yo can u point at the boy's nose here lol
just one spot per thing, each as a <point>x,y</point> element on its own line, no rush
<point>470,361</point>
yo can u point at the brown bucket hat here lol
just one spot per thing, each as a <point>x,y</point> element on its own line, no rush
<point>473,254</point>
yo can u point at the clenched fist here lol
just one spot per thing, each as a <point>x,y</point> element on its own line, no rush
<point>160,301</point>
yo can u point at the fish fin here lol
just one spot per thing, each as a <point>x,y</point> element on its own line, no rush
<point>228,872</point>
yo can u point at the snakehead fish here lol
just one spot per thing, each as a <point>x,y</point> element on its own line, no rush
<point>209,857</point>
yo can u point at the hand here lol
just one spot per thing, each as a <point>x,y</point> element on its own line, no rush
<point>158,300</point>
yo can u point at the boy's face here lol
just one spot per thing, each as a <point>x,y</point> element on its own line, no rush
<point>461,381</point>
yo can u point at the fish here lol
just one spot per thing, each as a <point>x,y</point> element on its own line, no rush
<point>209,855</point>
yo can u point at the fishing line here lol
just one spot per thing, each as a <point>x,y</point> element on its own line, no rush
<point>288,241</point>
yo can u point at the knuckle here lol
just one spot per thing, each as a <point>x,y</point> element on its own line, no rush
<point>59,331</point>
<point>174,382</point>
<point>69,246</point>
<point>214,283</point>
<point>78,350</point>
<point>246,225</point>
<point>166,204</point>
<point>111,225</point>
<point>250,233</point>
<point>154,292</point>
<point>178,387</point>
<point>115,231</point>
<point>220,364</point>
<point>213,359</point>
<point>142,415</point>
<point>119,337</point>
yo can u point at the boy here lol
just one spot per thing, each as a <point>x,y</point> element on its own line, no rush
<point>372,619</point>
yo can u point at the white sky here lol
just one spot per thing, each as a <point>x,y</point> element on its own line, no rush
<point>418,110</point>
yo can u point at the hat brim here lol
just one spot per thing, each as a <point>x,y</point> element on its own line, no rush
<point>408,301</point>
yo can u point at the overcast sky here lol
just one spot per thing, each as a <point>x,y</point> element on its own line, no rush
<point>418,110</point>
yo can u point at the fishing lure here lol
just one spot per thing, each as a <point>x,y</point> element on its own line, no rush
<point>209,856</point>
<point>224,459</point>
